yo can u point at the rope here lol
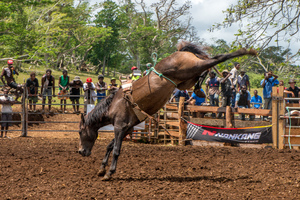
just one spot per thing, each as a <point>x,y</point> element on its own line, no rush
<point>289,139</point>
<point>160,75</point>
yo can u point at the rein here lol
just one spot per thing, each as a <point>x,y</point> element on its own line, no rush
<point>160,75</point>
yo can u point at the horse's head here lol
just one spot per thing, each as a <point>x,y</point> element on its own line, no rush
<point>88,136</point>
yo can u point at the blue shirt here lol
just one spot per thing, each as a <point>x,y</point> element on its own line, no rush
<point>199,100</point>
<point>267,91</point>
<point>257,99</point>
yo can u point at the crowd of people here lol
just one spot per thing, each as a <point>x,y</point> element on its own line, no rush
<point>230,88</point>
<point>233,89</point>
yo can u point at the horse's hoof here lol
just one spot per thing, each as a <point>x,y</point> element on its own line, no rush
<point>106,178</point>
<point>101,172</point>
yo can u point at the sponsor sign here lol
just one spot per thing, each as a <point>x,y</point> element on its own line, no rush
<point>253,135</point>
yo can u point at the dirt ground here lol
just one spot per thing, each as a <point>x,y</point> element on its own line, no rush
<point>46,166</point>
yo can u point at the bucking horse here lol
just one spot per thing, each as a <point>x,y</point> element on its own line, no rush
<point>125,109</point>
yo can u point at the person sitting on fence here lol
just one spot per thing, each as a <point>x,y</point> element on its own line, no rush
<point>243,101</point>
<point>148,65</point>
<point>75,85</point>
<point>48,85</point>
<point>243,79</point>
<point>180,93</point>
<point>6,110</point>
<point>101,88</point>
<point>197,100</point>
<point>281,83</point>
<point>134,76</point>
<point>267,83</point>
<point>113,87</point>
<point>63,84</point>
<point>256,99</point>
<point>90,95</point>
<point>32,85</point>
<point>8,72</point>
<point>213,84</point>
<point>226,90</point>
<point>293,91</point>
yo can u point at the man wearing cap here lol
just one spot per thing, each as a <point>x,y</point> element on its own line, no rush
<point>89,93</point>
<point>293,91</point>
<point>226,91</point>
<point>243,79</point>
<point>148,65</point>
<point>233,79</point>
<point>75,85</point>
<point>113,87</point>
<point>267,83</point>
<point>101,88</point>
<point>8,73</point>
<point>132,76</point>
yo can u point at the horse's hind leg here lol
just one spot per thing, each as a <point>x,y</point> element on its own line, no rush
<point>109,148</point>
<point>119,135</point>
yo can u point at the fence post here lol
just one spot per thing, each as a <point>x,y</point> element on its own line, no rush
<point>228,117</point>
<point>24,114</point>
<point>281,123</point>
<point>182,131</point>
<point>274,117</point>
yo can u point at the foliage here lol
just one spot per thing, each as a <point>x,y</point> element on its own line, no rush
<point>266,22</point>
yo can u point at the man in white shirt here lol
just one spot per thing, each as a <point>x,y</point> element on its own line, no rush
<point>6,111</point>
<point>233,78</point>
<point>90,96</point>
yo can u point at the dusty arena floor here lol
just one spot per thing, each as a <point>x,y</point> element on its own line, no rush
<point>48,167</point>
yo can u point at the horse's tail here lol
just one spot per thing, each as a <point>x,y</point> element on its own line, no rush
<point>193,48</point>
<point>100,110</point>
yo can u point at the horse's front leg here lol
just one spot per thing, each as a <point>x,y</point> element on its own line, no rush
<point>119,135</point>
<point>109,148</point>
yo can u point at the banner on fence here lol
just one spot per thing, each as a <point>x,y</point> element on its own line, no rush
<point>253,135</point>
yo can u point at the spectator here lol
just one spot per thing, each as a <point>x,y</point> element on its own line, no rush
<point>75,85</point>
<point>48,83</point>
<point>233,79</point>
<point>134,76</point>
<point>281,83</point>
<point>63,83</point>
<point>243,79</point>
<point>89,93</point>
<point>101,88</point>
<point>113,87</point>
<point>256,99</point>
<point>243,100</point>
<point>226,91</point>
<point>293,91</point>
<point>32,85</point>
<point>6,111</point>
<point>213,84</point>
<point>180,93</point>
<point>267,83</point>
<point>8,72</point>
<point>148,65</point>
<point>198,99</point>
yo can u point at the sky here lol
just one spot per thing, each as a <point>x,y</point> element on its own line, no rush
<point>205,13</point>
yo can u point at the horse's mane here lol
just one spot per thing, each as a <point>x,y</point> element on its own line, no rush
<point>99,111</point>
<point>193,48</point>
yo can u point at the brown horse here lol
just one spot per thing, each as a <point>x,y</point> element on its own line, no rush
<point>181,69</point>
